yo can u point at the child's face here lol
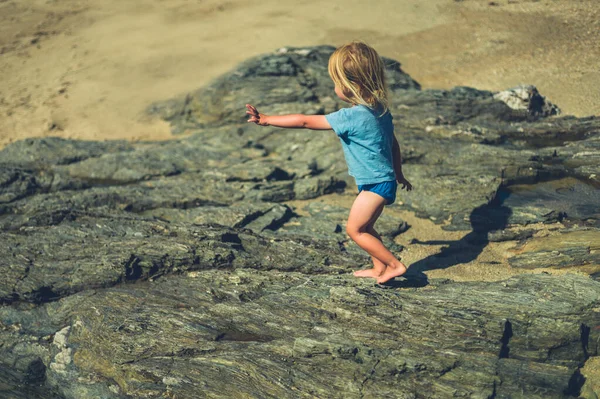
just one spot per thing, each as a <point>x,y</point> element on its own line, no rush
<point>340,94</point>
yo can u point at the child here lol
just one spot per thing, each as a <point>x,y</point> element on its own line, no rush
<point>370,148</point>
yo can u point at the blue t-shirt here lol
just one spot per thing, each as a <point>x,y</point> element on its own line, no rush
<point>367,141</point>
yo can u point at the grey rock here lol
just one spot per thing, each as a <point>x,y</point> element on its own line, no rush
<point>177,269</point>
<point>325,222</point>
<point>231,334</point>
<point>510,235</point>
<point>289,79</point>
<point>571,248</point>
<point>566,257</point>
<point>15,385</point>
<point>110,250</point>
<point>527,98</point>
<point>257,217</point>
<point>57,151</point>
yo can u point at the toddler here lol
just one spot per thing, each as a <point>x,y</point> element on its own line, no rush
<point>371,150</point>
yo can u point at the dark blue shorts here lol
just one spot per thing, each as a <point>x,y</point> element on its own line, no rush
<point>387,190</point>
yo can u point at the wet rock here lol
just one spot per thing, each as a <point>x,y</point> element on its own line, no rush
<point>552,201</point>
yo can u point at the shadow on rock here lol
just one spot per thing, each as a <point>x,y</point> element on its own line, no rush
<point>484,219</point>
<point>411,281</point>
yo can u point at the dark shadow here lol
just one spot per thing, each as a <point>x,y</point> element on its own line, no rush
<point>484,219</point>
<point>405,282</point>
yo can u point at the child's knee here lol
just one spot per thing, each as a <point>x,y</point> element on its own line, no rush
<point>354,231</point>
<point>350,230</point>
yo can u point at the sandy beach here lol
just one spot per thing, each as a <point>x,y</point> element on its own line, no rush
<point>87,70</point>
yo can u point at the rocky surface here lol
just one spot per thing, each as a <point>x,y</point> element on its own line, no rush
<point>184,269</point>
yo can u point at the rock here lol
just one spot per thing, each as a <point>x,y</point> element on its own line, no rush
<point>289,79</point>
<point>591,373</point>
<point>234,329</point>
<point>13,385</point>
<point>49,151</point>
<point>180,269</point>
<point>325,223</point>
<point>527,98</point>
<point>509,235</point>
<point>551,201</point>
<point>130,249</point>
<point>258,217</point>
<point>566,249</point>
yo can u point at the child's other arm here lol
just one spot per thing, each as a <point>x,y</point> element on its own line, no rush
<point>314,122</point>
<point>398,166</point>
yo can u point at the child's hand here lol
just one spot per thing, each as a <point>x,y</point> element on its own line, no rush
<point>255,116</point>
<point>405,183</point>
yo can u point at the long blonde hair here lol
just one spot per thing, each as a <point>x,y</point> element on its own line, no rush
<point>359,72</point>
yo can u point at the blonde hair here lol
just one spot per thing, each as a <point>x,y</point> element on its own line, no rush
<point>359,72</point>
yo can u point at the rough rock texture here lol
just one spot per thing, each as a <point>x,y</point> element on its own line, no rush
<point>181,269</point>
<point>272,334</point>
<point>291,78</point>
<point>591,371</point>
<point>527,98</point>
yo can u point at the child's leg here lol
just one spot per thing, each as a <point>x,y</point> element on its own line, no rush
<point>364,212</point>
<point>378,266</point>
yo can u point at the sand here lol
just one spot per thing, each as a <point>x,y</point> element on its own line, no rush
<point>425,240</point>
<point>88,69</point>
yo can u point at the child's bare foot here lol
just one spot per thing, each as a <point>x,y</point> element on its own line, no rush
<point>391,272</point>
<point>372,273</point>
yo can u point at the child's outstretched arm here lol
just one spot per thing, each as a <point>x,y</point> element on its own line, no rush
<point>398,166</point>
<point>314,122</point>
